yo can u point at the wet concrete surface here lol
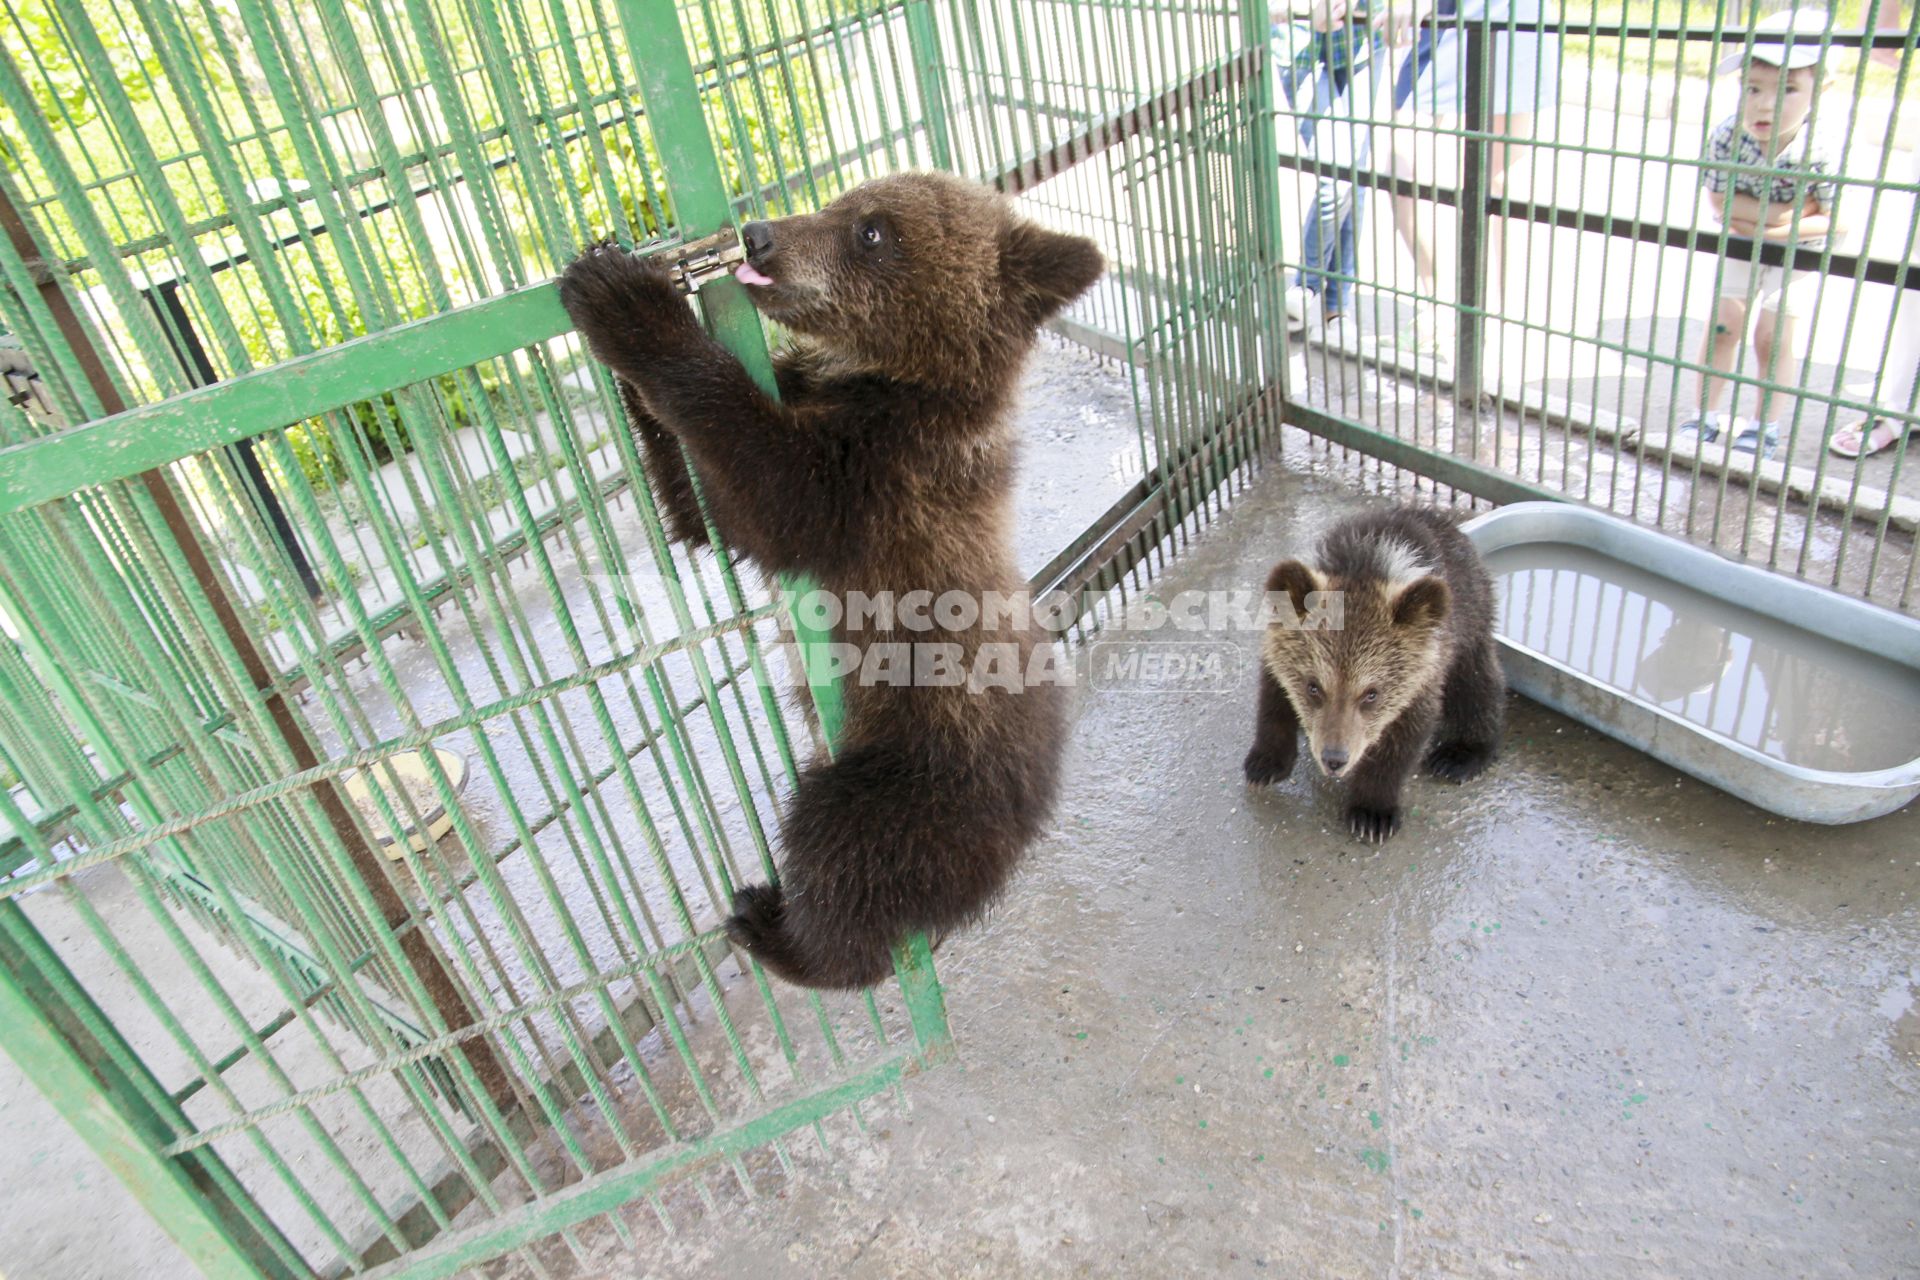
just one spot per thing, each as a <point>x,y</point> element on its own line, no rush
<point>1583,1017</point>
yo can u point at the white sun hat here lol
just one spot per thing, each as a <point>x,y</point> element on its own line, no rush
<point>1788,40</point>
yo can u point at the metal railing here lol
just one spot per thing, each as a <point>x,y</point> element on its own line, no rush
<point>1573,382</point>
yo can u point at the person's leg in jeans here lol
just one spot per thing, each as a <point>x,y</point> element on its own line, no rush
<point>1340,202</point>
<point>1361,105</point>
<point>1317,237</point>
<point>1293,81</point>
<point>1340,288</point>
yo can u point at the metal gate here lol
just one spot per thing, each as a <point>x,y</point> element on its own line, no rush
<point>375,774</point>
<point>1552,157</point>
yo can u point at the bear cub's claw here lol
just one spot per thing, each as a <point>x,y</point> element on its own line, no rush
<point>1458,762</point>
<point>1264,766</point>
<point>1375,826</point>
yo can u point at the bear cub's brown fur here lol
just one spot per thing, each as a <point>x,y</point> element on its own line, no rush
<point>1411,673</point>
<point>885,466</point>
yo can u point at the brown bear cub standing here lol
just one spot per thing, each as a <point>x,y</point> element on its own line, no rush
<point>1411,672</point>
<point>885,468</point>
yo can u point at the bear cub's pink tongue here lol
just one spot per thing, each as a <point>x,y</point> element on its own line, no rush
<point>745,274</point>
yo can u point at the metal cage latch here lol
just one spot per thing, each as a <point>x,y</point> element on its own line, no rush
<point>698,262</point>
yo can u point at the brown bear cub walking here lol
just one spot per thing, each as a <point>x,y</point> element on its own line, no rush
<point>1409,672</point>
<point>885,468</point>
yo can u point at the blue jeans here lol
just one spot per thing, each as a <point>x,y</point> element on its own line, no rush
<point>1329,250</point>
<point>1330,242</point>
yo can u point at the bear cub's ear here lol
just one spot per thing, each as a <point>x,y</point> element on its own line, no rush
<point>1423,602</point>
<point>1296,581</point>
<point>1044,270</point>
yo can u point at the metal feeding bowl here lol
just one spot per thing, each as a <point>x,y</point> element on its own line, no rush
<point>411,769</point>
<point>1799,700</point>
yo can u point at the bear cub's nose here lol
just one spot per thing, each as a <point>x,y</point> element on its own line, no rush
<point>1335,758</point>
<point>758,238</point>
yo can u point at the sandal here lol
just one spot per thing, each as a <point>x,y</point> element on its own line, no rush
<point>1857,441</point>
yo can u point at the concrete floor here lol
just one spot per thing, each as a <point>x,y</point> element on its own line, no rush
<point>1582,1017</point>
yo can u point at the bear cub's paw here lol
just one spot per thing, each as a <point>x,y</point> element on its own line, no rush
<point>1267,765</point>
<point>756,916</point>
<point>622,304</point>
<point>1458,761</point>
<point>1374,825</point>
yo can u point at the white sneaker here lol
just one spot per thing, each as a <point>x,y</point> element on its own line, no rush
<point>1428,333</point>
<point>1299,300</point>
<point>1714,428</point>
<point>1703,427</point>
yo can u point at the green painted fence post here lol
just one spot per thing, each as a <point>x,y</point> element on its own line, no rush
<point>1269,237</point>
<point>701,207</point>
<point>92,1083</point>
<point>1472,283</point>
<point>926,1004</point>
<point>923,37</point>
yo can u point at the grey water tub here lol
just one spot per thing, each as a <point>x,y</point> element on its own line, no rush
<point>1801,701</point>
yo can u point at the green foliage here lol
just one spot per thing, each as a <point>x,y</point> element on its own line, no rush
<point>1670,61</point>
<point>61,87</point>
<point>313,448</point>
<point>752,114</point>
<point>102,77</point>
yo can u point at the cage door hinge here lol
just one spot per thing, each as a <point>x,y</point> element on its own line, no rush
<point>702,261</point>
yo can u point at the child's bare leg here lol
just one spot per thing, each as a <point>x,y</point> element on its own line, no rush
<point>1887,18</point>
<point>1406,210</point>
<point>1773,344</point>
<point>1500,158</point>
<point>1719,350</point>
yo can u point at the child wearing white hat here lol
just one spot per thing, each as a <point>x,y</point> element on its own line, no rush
<point>1768,177</point>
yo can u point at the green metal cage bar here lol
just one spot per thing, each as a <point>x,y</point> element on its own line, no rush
<point>1563,354</point>
<point>312,244</point>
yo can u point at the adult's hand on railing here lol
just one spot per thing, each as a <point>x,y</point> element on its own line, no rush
<point>1328,15</point>
<point>1399,19</point>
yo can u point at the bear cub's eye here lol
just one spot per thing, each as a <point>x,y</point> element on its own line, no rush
<point>1313,689</point>
<point>870,235</point>
<point>1370,697</point>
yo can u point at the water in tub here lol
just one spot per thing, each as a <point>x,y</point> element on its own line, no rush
<point>1781,687</point>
